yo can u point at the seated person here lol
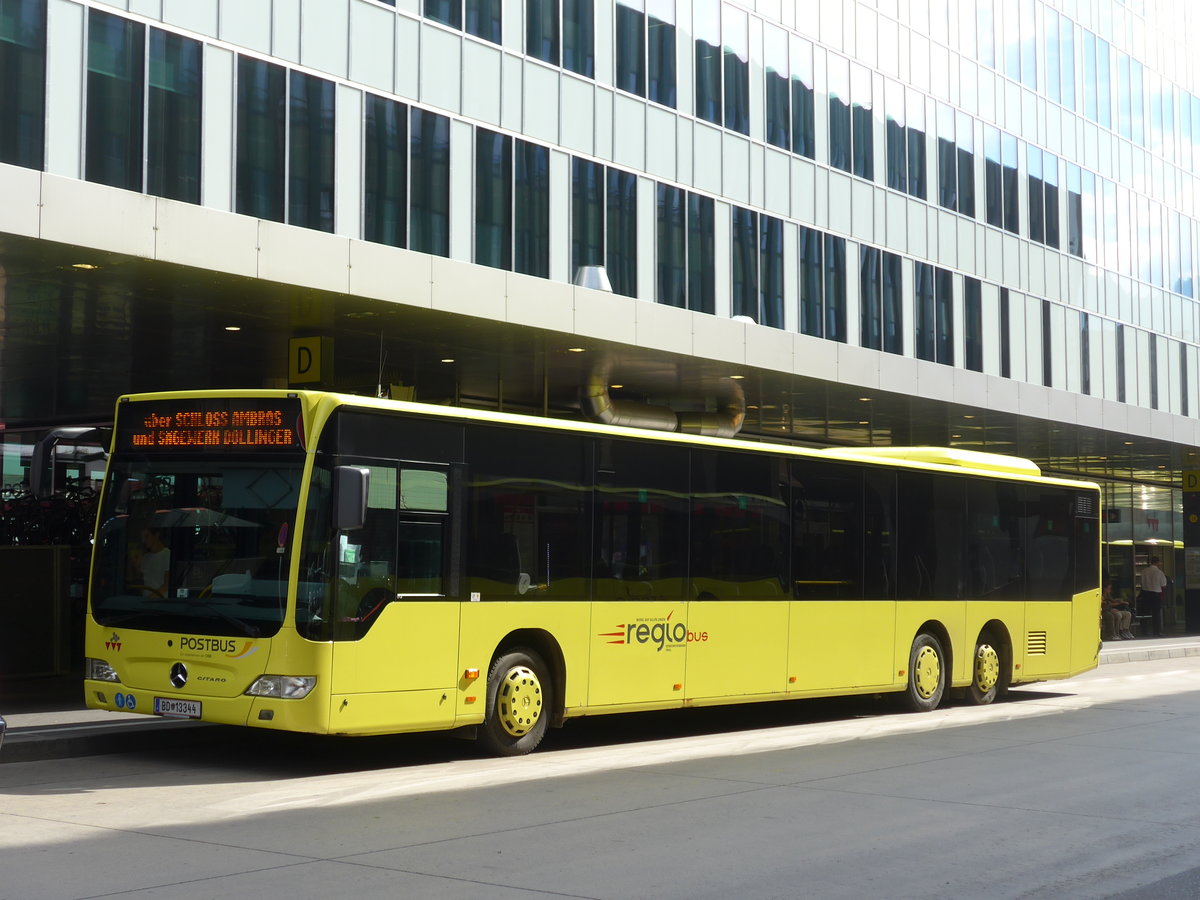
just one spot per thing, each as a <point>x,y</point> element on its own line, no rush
<point>1116,615</point>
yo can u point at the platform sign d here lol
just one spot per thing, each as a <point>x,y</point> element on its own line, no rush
<point>306,360</point>
<point>1191,480</point>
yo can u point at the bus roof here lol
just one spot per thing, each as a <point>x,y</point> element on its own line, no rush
<point>944,459</point>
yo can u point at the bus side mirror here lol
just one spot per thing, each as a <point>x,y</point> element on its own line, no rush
<point>350,485</point>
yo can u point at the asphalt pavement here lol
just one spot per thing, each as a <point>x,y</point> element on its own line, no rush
<point>47,718</point>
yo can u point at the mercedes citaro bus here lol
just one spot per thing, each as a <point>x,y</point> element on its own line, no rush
<point>335,564</point>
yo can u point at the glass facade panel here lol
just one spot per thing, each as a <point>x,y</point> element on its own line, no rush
<point>835,288</point>
<point>173,129</point>
<point>493,199</point>
<point>973,324</point>
<point>770,271</point>
<point>587,214</point>
<point>1012,208</point>
<point>947,158</point>
<point>1050,178</point>
<point>542,30</point>
<point>385,171</point>
<point>622,232</point>
<point>579,37</point>
<point>631,46</point>
<point>893,304</point>
<point>660,51</point>
<point>915,112</point>
<point>483,19</point>
<point>803,98</point>
<point>1037,194</point>
<point>840,148</point>
<point>707,25</point>
<point>870,298</point>
<point>702,250</point>
<point>310,152</point>
<point>261,114</point>
<point>116,72</point>
<point>862,123</point>
<point>965,138</point>
<point>429,179</point>
<point>448,12</point>
<point>736,58</point>
<point>531,209</point>
<point>744,263</point>
<point>23,74</point>
<point>671,241</point>
<point>944,290</point>
<point>924,325</point>
<point>812,300</point>
<point>896,136</point>
<point>777,111</point>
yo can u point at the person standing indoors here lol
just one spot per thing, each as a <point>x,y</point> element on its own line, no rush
<point>1150,600</point>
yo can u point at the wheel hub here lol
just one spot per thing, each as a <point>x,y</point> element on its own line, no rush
<point>519,700</point>
<point>987,667</point>
<point>927,673</point>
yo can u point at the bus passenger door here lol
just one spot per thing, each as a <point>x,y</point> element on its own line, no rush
<point>397,623</point>
<point>843,623</point>
<point>738,616</point>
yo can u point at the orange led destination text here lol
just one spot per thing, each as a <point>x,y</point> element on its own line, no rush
<point>216,428</point>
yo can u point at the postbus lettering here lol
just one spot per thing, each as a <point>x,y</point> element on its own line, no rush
<point>211,645</point>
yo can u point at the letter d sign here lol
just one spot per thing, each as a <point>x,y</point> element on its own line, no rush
<point>1191,480</point>
<point>304,360</point>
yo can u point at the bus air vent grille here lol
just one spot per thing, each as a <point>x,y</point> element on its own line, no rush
<point>1035,643</point>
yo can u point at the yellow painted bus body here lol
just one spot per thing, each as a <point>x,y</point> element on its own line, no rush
<point>423,666</point>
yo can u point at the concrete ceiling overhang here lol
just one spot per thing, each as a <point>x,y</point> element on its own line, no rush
<point>73,338</point>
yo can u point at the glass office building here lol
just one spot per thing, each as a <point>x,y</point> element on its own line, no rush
<point>955,222</point>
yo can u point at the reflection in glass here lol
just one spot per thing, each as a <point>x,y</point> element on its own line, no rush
<point>803,98</point>
<point>385,171</point>
<point>116,67</point>
<point>429,230</point>
<point>493,199</point>
<point>531,209</point>
<point>23,100</point>
<point>173,138</point>
<point>736,62</point>
<point>310,152</point>
<point>621,257</point>
<point>812,319</point>
<point>261,113</point>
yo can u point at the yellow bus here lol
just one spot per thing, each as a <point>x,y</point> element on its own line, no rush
<point>336,564</point>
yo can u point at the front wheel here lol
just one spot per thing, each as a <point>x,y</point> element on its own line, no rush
<point>518,704</point>
<point>926,674</point>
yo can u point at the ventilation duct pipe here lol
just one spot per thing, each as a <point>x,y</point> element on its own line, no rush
<point>599,406</point>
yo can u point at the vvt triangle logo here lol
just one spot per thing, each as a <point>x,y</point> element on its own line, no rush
<point>113,643</point>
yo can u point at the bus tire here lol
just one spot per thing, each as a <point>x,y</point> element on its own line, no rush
<point>926,673</point>
<point>987,672</point>
<point>518,703</point>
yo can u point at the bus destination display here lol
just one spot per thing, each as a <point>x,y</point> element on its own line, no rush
<point>233,424</point>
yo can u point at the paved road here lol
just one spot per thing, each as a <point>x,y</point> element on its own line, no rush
<point>1080,789</point>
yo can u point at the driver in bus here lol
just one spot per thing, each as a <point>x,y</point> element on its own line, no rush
<point>154,563</point>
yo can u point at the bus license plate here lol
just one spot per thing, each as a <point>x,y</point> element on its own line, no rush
<point>181,709</point>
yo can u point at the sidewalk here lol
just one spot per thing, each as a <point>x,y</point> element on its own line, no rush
<point>47,719</point>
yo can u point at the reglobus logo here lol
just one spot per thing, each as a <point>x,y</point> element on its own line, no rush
<point>662,633</point>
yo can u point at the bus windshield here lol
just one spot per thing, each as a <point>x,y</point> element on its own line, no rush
<point>195,545</point>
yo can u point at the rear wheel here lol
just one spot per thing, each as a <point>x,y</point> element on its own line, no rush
<point>518,707</point>
<point>987,678</point>
<point>926,673</point>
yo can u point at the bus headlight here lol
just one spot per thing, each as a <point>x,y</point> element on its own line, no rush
<point>99,670</point>
<point>285,687</point>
